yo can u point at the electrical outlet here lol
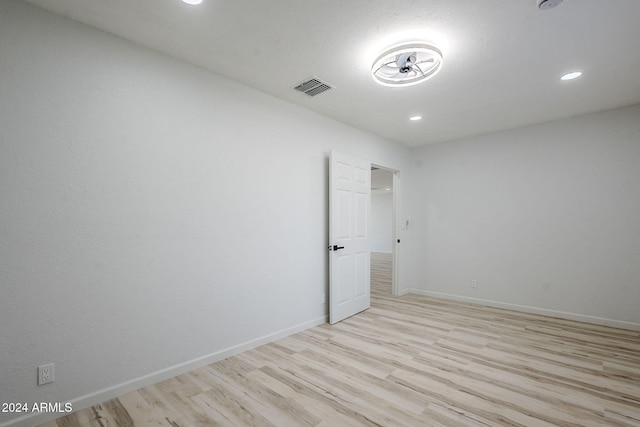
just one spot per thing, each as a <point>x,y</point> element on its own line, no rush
<point>45,374</point>
<point>474,283</point>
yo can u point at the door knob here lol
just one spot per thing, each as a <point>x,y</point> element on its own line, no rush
<point>335,247</point>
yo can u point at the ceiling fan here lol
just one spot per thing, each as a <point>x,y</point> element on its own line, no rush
<point>407,64</point>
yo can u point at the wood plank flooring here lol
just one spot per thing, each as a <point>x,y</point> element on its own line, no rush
<point>408,361</point>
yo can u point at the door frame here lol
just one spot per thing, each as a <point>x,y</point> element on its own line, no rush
<point>395,233</point>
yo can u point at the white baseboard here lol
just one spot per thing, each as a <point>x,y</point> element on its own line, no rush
<point>405,291</point>
<point>109,393</point>
<point>527,309</point>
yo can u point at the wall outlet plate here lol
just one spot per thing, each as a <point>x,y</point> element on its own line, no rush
<point>45,374</point>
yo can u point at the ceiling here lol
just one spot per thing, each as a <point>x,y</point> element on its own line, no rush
<point>502,58</point>
<point>381,181</point>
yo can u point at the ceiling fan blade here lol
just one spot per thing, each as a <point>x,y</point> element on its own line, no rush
<point>386,65</point>
<point>389,69</point>
<point>425,61</point>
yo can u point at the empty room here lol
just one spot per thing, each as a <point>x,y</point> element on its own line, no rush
<point>340,213</point>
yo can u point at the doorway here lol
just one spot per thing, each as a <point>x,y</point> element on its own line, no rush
<point>350,229</point>
<point>384,239</point>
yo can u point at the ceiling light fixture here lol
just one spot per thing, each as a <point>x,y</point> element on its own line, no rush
<point>407,64</point>
<point>415,118</point>
<point>572,75</point>
<point>192,1</point>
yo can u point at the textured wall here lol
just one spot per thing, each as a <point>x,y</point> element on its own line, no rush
<point>381,222</point>
<point>545,217</point>
<point>151,213</point>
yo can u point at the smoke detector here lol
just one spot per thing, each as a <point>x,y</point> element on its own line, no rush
<point>548,4</point>
<point>406,64</point>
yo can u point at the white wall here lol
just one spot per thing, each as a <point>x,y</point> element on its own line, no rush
<point>152,213</point>
<point>545,218</point>
<point>381,222</point>
<point>135,237</point>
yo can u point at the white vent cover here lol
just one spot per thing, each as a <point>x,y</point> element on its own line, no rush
<point>313,86</point>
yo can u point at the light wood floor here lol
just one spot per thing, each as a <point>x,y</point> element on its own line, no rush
<point>408,361</point>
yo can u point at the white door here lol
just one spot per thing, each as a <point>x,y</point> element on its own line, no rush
<point>349,246</point>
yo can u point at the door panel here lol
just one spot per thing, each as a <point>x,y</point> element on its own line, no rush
<point>350,259</point>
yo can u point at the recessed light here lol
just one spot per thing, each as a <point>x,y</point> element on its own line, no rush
<point>406,64</point>
<point>415,118</point>
<point>572,75</point>
<point>192,1</point>
<point>387,189</point>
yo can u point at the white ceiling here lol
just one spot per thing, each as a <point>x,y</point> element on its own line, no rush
<point>381,179</point>
<point>502,58</point>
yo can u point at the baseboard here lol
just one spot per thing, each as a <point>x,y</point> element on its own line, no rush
<point>109,393</point>
<point>528,309</point>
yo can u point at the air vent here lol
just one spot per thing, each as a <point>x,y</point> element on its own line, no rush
<point>313,87</point>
